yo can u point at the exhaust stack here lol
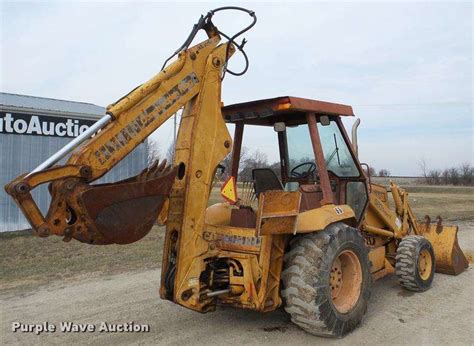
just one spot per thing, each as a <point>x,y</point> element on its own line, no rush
<point>354,137</point>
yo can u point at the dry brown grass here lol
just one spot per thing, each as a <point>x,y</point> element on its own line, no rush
<point>27,261</point>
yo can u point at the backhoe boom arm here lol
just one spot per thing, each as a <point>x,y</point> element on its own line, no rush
<point>74,211</point>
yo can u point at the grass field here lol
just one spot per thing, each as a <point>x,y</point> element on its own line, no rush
<point>27,261</point>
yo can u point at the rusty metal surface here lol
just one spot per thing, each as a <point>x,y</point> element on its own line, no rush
<point>236,149</point>
<point>232,238</point>
<point>311,196</point>
<point>328,197</point>
<point>277,212</point>
<point>125,212</point>
<point>117,213</point>
<point>243,217</point>
<point>260,112</point>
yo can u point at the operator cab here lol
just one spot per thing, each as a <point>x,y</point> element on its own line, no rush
<point>316,157</point>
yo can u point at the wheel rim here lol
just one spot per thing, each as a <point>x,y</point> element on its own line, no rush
<point>425,264</point>
<point>345,281</point>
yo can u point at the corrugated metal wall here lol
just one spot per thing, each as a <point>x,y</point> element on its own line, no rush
<point>20,154</point>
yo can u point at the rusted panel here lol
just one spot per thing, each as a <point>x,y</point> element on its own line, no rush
<point>278,211</point>
<point>278,225</point>
<point>328,197</point>
<point>311,196</point>
<point>232,239</point>
<point>283,151</point>
<point>243,217</point>
<point>280,203</point>
<point>123,213</point>
<point>238,134</point>
<point>267,108</point>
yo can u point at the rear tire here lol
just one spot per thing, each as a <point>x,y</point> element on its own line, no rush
<point>415,263</point>
<point>314,266</point>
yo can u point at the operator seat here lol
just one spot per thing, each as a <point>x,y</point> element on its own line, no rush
<point>265,179</point>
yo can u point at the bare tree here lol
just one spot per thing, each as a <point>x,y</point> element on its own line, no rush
<point>424,169</point>
<point>170,153</point>
<point>257,159</point>
<point>445,176</point>
<point>454,175</point>
<point>276,167</point>
<point>462,175</point>
<point>467,173</point>
<point>371,172</point>
<point>384,172</point>
<point>227,162</point>
<point>154,152</point>
<point>434,176</point>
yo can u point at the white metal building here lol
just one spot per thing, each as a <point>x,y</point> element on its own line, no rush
<point>34,128</point>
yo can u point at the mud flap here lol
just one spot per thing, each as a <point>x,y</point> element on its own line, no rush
<point>449,257</point>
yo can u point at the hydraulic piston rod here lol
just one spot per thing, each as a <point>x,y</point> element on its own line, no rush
<point>73,144</point>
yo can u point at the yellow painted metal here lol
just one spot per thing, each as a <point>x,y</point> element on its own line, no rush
<point>381,221</point>
<point>378,231</point>
<point>232,238</point>
<point>386,270</point>
<point>199,155</point>
<point>218,214</point>
<point>319,218</point>
<point>449,257</point>
<point>425,265</point>
<point>379,215</point>
<point>271,262</point>
<point>146,108</point>
<point>277,212</point>
<point>377,258</point>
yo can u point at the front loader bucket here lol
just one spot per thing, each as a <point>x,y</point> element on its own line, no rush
<point>449,257</point>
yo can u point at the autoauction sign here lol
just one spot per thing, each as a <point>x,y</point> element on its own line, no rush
<point>40,125</point>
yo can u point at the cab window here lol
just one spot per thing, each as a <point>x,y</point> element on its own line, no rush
<point>300,151</point>
<point>336,152</point>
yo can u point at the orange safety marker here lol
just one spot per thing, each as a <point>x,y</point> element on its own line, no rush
<point>229,190</point>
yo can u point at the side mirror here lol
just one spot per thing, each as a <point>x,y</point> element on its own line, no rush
<point>279,127</point>
<point>324,120</point>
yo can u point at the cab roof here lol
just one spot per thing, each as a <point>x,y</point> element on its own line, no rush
<point>291,110</point>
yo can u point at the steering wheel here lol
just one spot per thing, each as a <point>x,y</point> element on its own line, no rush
<point>299,172</point>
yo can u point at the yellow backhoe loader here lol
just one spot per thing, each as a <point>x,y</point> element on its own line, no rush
<point>312,239</point>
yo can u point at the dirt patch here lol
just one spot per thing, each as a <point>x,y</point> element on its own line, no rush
<point>469,256</point>
<point>275,329</point>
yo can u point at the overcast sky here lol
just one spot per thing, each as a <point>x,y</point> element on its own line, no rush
<point>406,68</point>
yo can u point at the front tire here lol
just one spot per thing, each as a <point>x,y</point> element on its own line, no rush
<point>327,281</point>
<point>415,263</point>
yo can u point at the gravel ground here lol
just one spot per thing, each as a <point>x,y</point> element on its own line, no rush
<point>442,315</point>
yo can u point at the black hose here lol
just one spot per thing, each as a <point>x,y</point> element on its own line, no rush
<point>206,20</point>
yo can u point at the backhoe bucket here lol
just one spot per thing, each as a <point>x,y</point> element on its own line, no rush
<point>116,213</point>
<point>449,257</point>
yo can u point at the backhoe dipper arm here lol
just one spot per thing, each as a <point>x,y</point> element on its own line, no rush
<point>108,214</point>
